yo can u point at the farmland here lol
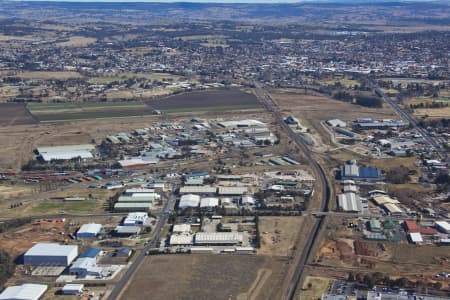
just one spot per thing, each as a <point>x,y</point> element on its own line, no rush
<point>216,100</point>
<point>15,114</point>
<point>82,111</point>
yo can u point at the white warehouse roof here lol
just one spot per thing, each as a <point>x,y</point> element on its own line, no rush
<point>349,202</point>
<point>205,189</point>
<point>189,200</point>
<point>232,190</point>
<point>415,237</point>
<point>66,155</point>
<point>91,228</point>
<point>181,239</point>
<point>218,238</point>
<point>181,228</point>
<point>139,190</point>
<point>27,291</point>
<point>51,249</point>
<point>443,225</point>
<point>209,202</point>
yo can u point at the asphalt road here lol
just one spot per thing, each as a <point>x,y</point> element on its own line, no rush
<point>301,261</point>
<point>120,285</point>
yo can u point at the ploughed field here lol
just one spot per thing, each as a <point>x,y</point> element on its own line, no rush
<point>15,114</point>
<point>210,100</point>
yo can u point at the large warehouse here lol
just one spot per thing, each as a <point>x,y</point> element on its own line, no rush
<point>65,152</point>
<point>218,238</point>
<point>47,254</point>
<point>27,291</point>
<point>90,230</point>
<point>189,200</point>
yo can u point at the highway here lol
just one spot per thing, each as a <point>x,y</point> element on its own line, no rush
<point>121,284</point>
<point>302,258</point>
<point>407,117</point>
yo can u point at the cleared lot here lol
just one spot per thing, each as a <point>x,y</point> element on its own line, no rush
<point>206,277</point>
<point>15,114</point>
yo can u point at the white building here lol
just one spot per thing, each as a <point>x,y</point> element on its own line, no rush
<point>65,152</point>
<point>209,202</point>
<point>27,291</point>
<point>248,200</point>
<point>135,218</point>
<point>189,200</point>
<point>85,266</point>
<point>336,123</point>
<point>181,228</point>
<point>50,255</point>
<point>415,237</point>
<point>443,226</point>
<point>218,238</point>
<point>181,240</point>
<point>349,202</point>
<point>90,230</point>
<point>72,289</point>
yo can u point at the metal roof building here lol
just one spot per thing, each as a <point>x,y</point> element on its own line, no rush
<point>27,291</point>
<point>189,200</point>
<point>65,152</point>
<point>50,255</point>
<point>181,239</point>
<point>133,206</point>
<point>127,230</point>
<point>443,226</point>
<point>232,190</point>
<point>349,202</point>
<point>415,237</point>
<point>218,238</point>
<point>393,209</point>
<point>181,228</point>
<point>72,289</point>
<point>135,218</point>
<point>209,202</point>
<point>203,189</point>
<point>90,230</point>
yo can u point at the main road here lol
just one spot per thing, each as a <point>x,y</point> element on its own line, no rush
<point>300,259</point>
<point>409,118</point>
<point>121,284</point>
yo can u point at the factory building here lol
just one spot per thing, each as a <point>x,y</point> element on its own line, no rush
<point>181,239</point>
<point>85,266</point>
<point>47,254</point>
<point>352,171</point>
<point>72,289</point>
<point>65,152</point>
<point>218,238</point>
<point>189,200</point>
<point>232,190</point>
<point>90,230</point>
<point>126,231</point>
<point>133,206</point>
<point>201,190</point>
<point>349,202</point>
<point>135,218</point>
<point>27,291</point>
<point>209,202</point>
<point>443,226</point>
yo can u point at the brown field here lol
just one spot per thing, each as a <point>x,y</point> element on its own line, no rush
<point>43,75</point>
<point>433,113</point>
<point>399,259</point>
<point>206,277</point>
<point>205,99</point>
<point>77,41</point>
<point>279,234</point>
<point>319,286</point>
<point>15,114</point>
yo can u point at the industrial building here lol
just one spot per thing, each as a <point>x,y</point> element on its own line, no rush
<point>85,266</point>
<point>201,190</point>
<point>181,239</point>
<point>27,291</point>
<point>352,171</point>
<point>47,254</point>
<point>133,206</point>
<point>209,202</point>
<point>241,124</point>
<point>415,237</point>
<point>91,230</point>
<point>65,152</point>
<point>72,289</point>
<point>126,231</point>
<point>135,218</point>
<point>232,190</point>
<point>189,200</point>
<point>218,238</point>
<point>349,202</point>
<point>369,123</point>
<point>336,123</point>
<point>443,226</point>
<point>181,228</point>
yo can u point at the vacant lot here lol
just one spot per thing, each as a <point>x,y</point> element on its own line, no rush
<point>47,75</point>
<point>206,277</point>
<point>15,114</point>
<point>216,100</point>
<point>84,111</point>
<point>314,287</point>
<point>279,234</point>
<point>68,207</point>
<point>77,41</point>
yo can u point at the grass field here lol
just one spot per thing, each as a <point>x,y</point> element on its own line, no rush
<point>67,207</point>
<point>47,75</point>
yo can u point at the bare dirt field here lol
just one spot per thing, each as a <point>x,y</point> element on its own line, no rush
<point>318,286</point>
<point>15,114</point>
<point>206,277</point>
<point>211,100</point>
<point>44,75</point>
<point>77,41</point>
<point>278,234</point>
